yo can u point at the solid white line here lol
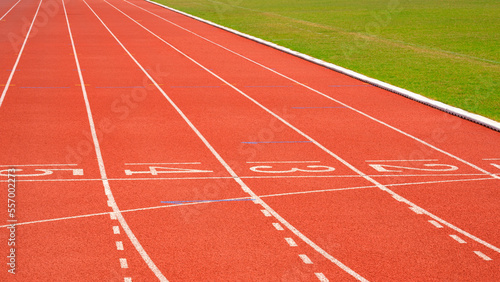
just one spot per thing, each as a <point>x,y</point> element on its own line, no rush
<point>159,163</point>
<point>102,170</point>
<point>9,80</point>
<point>259,177</point>
<point>243,186</point>
<point>379,185</point>
<point>321,277</point>
<point>291,242</point>
<point>483,256</point>
<point>491,159</point>
<point>384,161</point>
<point>10,10</point>
<point>262,196</point>
<point>278,226</point>
<point>40,165</point>
<point>305,259</point>
<point>123,263</point>
<point>283,162</point>
<point>119,245</point>
<point>116,229</point>
<point>458,239</point>
<point>403,92</point>
<point>436,224</point>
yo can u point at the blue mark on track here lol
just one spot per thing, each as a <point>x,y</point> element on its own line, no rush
<point>42,87</point>
<point>276,142</point>
<point>119,87</point>
<point>208,86</point>
<point>205,201</point>
<point>319,108</point>
<point>269,86</point>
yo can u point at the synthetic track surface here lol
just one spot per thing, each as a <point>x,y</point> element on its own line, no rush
<point>165,148</point>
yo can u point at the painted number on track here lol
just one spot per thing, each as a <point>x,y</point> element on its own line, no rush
<point>311,168</point>
<point>155,170</point>
<point>428,167</point>
<point>42,172</point>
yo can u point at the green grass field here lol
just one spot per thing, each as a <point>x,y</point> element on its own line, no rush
<point>448,50</point>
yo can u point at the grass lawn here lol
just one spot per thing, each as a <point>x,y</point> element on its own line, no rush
<point>448,50</point>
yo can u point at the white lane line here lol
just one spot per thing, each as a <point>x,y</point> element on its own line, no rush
<point>353,168</point>
<point>14,68</point>
<point>102,170</point>
<point>116,229</point>
<point>305,259</point>
<point>266,213</point>
<point>416,210</point>
<point>9,10</point>
<point>123,263</point>
<point>283,162</point>
<point>39,165</point>
<point>256,202</point>
<point>483,256</point>
<point>491,159</point>
<point>278,226</point>
<point>160,163</point>
<point>436,224</point>
<point>291,242</point>
<point>127,279</point>
<point>397,197</point>
<point>112,215</point>
<point>458,239</point>
<point>385,161</point>
<point>321,277</point>
<point>119,245</point>
<point>236,178</point>
<point>264,177</point>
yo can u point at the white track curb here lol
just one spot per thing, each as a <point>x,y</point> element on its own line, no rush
<point>403,92</point>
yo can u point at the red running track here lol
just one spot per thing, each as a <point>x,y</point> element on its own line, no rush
<point>150,146</point>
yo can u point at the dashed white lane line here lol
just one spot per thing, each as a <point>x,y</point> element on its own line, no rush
<point>305,259</point>
<point>321,277</point>
<point>119,245</point>
<point>112,215</point>
<point>116,230</point>
<point>291,242</point>
<point>458,239</point>
<point>435,223</point>
<point>398,198</point>
<point>278,226</point>
<point>127,279</point>
<point>123,263</point>
<point>266,213</point>
<point>416,210</point>
<point>483,256</point>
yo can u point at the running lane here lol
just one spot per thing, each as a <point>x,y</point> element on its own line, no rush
<point>162,173</point>
<point>381,236</point>
<point>43,112</point>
